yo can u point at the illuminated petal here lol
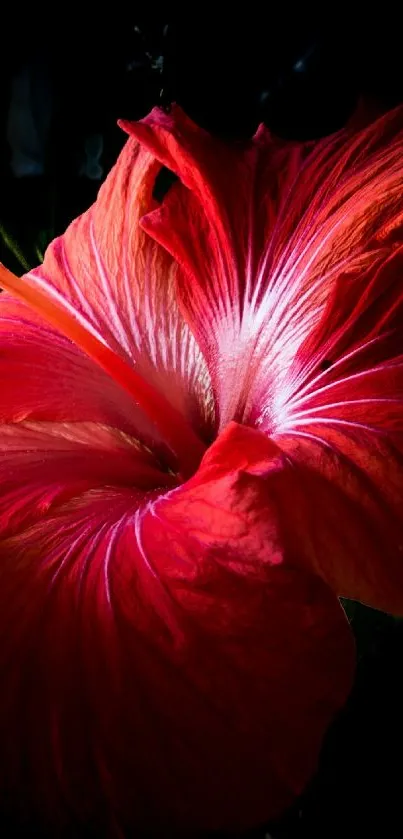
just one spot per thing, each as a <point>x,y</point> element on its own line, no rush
<point>44,376</point>
<point>65,426</point>
<point>298,309</point>
<point>263,232</point>
<point>159,424</point>
<point>342,415</point>
<point>343,431</point>
<point>167,667</point>
<point>120,285</point>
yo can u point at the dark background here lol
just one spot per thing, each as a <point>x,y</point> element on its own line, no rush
<point>64,84</point>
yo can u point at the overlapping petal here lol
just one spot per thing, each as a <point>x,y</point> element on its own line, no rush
<point>295,254</point>
<point>66,427</point>
<point>44,376</point>
<point>172,654</point>
<point>121,286</point>
<point>166,666</point>
<point>164,663</point>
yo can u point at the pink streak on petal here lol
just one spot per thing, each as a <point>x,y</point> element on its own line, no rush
<point>291,264</point>
<point>184,447</point>
<point>121,286</point>
<point>268,236</point>
<point>44,376</point>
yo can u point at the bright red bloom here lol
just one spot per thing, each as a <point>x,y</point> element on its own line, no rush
<point>200,448</point>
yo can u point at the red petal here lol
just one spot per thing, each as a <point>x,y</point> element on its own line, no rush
<point>65,426</point>
<point>293,259</point>
<point>344,510</point>
<point>42,464</point>
<point>179,443</point>
<point>167,667</point>
<point>45,377</point>
<point>120,285</point>
<point>263,232</point>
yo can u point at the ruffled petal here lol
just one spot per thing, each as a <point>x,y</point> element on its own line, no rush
<point>263,232</point>
<point>120,285</point>
<point>164,666</point>
<point>292,258</point>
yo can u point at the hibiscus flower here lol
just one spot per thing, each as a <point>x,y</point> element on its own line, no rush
<point>200,451</point>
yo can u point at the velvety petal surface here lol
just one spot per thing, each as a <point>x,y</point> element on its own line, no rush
<point>164,664</point>
<point>292,259</point>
